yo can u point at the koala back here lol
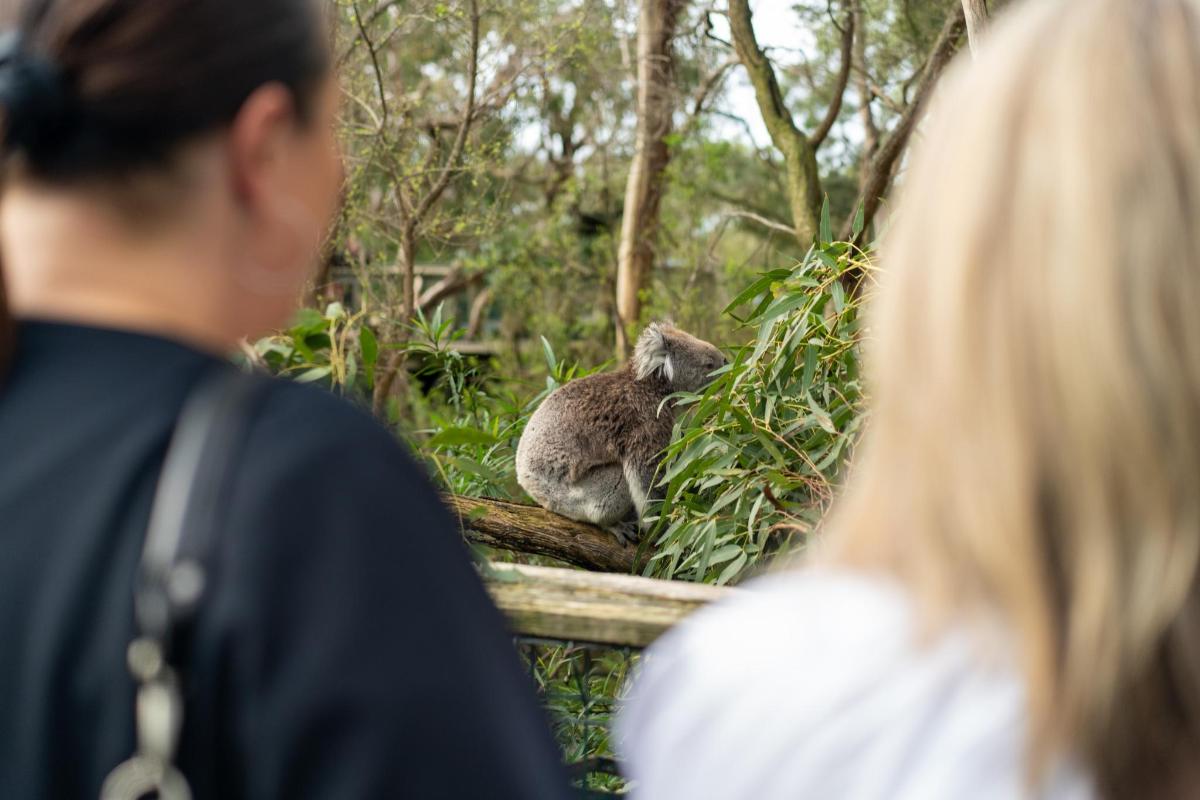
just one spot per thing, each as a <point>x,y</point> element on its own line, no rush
<point>599,419</point>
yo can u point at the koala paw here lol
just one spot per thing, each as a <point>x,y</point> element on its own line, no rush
<point>626,532</point>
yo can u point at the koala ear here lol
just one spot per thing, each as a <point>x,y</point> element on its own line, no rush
<point>652,353</point>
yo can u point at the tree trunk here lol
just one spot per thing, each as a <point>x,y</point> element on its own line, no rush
<point>644,189</point>
<point>800,157</point>
<point>976,12</point>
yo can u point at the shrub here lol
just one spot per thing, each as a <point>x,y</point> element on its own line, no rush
<point>755,458</point>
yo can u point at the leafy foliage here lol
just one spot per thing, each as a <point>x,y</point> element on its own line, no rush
<point>754,461</point>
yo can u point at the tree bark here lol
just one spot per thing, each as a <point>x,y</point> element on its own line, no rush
<point>976,12</point>
<point>643,191</point>
<point>534,530</point>
<point>883,167</point>
<point>800,158</point>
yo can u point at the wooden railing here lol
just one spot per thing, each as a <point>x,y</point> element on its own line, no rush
<point>577,606</point>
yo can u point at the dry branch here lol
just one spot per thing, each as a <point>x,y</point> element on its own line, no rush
<point>529,529</point>
<point>883,167</point>
<point>839,87</point>
<point>455,282</point>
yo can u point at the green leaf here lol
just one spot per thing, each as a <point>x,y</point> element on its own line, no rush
<point>308,321</point>
<point>551,361</point>
<point>725,553</point>
<point>314,374</point>
<point>733,569</point>
<point>370,352</point>
<point>826,233</point>
<point>458,436</point>
<point>857,226</point>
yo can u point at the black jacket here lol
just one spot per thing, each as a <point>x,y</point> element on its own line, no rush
<point>345,648</point>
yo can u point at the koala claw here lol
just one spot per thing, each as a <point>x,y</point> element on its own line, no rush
<point>626,532</point>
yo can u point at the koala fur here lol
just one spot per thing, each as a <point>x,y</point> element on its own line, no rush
<point>590,449</point>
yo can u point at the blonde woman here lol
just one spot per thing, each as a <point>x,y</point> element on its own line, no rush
<point>1007,602</point>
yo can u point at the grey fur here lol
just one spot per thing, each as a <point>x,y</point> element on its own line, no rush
<point>590,449</point>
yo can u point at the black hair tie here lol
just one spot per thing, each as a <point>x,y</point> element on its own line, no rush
<point>33,97</point>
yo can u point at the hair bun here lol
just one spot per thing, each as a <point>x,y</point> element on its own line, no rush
<point>33,97</point>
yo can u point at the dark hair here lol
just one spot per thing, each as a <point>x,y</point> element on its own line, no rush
<point>102,88</point>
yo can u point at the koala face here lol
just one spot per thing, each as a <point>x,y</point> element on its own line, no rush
<point>685,361</point>
<point>694,361</point>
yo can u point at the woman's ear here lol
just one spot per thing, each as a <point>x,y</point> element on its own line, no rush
<point>258,139</point>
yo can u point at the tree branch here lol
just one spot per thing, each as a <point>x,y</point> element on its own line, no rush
<point>460,138</point>
<point>362,32</point>
<point>453,283</point>
<point>530,529</point>
<point>884,164</point>
<point>839,87</point>
<point>761,220</point>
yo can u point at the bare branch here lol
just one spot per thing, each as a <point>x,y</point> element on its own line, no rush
<point>460,139</point>
<point>362,32</point>
<point>884,164</point>
<point>839,86</point>
<point>761,220</point>
<point>453,283</point>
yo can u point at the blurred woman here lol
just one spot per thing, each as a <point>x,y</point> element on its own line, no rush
<point>1007,602</point>
<point>170,170</point>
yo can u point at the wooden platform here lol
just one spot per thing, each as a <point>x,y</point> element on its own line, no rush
<point>581,606</point>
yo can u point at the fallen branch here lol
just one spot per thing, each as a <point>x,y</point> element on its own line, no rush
<point>529,529</point>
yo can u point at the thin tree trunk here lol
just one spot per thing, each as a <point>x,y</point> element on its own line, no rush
<point>800,157</point>
<point>643,191</point>
<point>478,310</point>
<point>862,87</point>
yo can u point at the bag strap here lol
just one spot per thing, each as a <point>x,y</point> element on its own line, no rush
<point>172,578</point>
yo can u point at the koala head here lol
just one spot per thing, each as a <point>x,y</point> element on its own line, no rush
<point>683,360</point>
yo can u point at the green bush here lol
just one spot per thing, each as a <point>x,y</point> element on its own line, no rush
<point>756,456</point>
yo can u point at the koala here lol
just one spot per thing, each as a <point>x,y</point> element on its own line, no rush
<point>590,450</point>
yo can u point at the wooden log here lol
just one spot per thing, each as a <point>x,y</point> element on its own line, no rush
<point>580,606</point>
<point>530,529</point>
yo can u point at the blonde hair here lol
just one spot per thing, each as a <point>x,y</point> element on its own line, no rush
<point>1034,446</point>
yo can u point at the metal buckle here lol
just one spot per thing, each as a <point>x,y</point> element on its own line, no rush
<point>145,776</point>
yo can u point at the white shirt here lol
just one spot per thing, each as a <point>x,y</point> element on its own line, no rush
<point>812,685</point>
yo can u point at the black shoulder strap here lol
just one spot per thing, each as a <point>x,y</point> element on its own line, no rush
<point>176,557</point>
<point>190,497</point>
